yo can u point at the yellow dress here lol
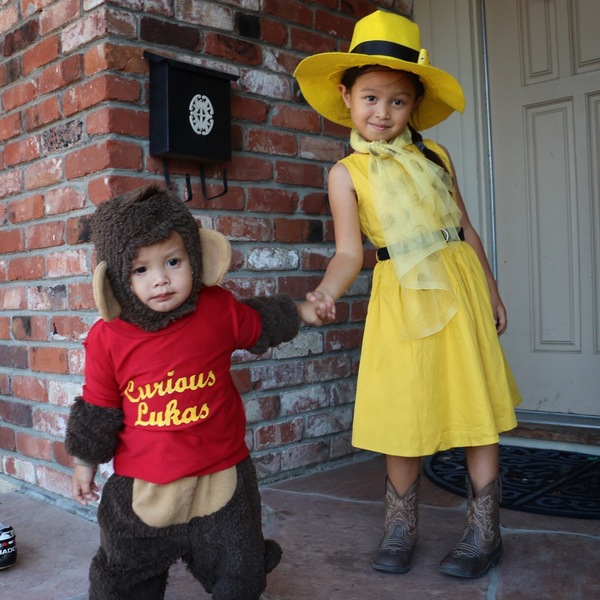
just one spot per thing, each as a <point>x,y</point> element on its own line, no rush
<point>450,389</point>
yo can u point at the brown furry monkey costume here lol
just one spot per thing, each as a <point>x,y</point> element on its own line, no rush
<point>159,400</point>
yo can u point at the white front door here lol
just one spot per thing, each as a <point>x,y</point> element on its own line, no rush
<point>544,75</point>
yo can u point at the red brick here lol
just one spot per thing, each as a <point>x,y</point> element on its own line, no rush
<point>28,328</point>
<point>100,89</point>
<point>66,264</point>
<point>315,204</point>
<point>26,268</point>
<point>29,388</point>
<point>328,368</point>
<point>58,14</point>
<point>44,173</point>
<point>48,359</point>
<point>113,57</point>
<point>233,200</point>
<point>272,200</point>
<point>230,48</point>
<point>301,456</point>
<point>108,186</point>
<point>16,413</point>
<point>298,230</point>
<point>61,456</point>
<point>250,169</point>
<point>113,154</point>
<point>19,94</point>
<point>249,287</point>
<point>19,469</point>
<point>77,361</point>
<point>34,446</point>
<point>278,434</point>
<point>10,183</point>
<point>316,259</point>
<point>10,126</point>
<point>40,54</point>
<point>11,240</point>
<point>81,296</point>
<point>26,209</point>
<point>263,408</point>
<point>44,112</point>
<point>271,142</point>
<point>338,26</point>
<point>13,298</point>
<point>290,10</point>
<point>61,74</point>
<point>329,422</point>
<point>311,42</point>
<point>69,328</point>
<point>47,298</point>
<point>296,287</point>
<point>291,117</point>
<point>22,151</point>
<point>62,200</point>
<point>322,149</point>
<point>299,174</point>
<point>4,335</point>
<point>7,439</point>
<point>53,480</point>
<point>347,339</point>
<point>118,120</point>
<point>45,235</point>
<point>245,228</point>
<point>273,32</point>
<point>249,109</point>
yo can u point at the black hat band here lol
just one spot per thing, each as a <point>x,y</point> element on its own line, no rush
<point>383,48</point>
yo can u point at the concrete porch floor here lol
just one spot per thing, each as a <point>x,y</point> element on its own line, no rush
<point>329,524</point>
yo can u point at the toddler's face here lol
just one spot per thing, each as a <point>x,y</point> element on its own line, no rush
<point>161,275</point>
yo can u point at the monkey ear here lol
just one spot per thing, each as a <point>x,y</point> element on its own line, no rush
<point>216,256</point>
<point>106,303</point>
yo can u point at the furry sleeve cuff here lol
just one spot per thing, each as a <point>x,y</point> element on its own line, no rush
<point>93,432</point>
<point>280,321</point>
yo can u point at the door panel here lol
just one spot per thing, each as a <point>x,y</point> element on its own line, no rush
<point>544,72</point>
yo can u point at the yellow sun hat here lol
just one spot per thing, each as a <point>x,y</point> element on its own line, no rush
<point>389,40</point>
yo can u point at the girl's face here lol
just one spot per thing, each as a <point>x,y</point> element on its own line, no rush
<point>380,103</point>
<point>161,274</point>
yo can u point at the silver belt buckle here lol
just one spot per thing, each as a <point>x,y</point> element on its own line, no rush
<point>446,234</point>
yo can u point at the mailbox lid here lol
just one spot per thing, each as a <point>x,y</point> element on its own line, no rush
<point>190,110</point>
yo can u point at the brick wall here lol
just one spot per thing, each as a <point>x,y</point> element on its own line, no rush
<point>74,132</point>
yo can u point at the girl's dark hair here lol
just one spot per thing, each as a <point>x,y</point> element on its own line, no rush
<point>353,73</point>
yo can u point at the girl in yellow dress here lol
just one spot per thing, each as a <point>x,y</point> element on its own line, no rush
<point>432,374</point>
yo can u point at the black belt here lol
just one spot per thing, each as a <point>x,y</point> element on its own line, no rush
<point>383,254</point>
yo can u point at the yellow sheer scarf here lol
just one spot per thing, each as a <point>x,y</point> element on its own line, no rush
<point>413,201</point>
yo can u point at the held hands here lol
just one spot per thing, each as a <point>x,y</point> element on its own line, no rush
<point>319,308</point>
<point>83,487</point>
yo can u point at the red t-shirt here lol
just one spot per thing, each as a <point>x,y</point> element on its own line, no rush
<point>183,415</point>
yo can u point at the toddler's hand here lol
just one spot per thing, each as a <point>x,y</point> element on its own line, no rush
<point>83,487</point>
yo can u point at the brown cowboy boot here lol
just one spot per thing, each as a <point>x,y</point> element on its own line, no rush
<point>480,547</point>
<point>400,532</point>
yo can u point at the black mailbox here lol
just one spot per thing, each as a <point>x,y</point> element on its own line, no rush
<point>190,111</point>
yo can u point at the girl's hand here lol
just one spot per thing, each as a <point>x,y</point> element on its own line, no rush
<point>83,487</point>
<point>324,305</point>
<point>499,314</point>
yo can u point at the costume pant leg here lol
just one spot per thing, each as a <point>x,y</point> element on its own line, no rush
<point>227,548</point>
<point>134,559</point>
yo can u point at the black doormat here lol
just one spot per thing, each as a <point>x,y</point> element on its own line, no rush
<point>547,482</point>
